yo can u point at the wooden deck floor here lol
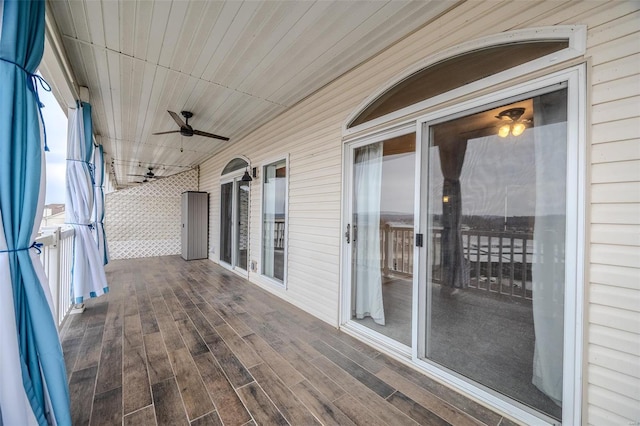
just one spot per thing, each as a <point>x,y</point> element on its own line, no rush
<point>177,343</point>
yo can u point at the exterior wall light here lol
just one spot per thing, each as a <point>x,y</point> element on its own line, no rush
<point>246,177</point>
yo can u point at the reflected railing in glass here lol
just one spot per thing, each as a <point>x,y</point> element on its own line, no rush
<point>497,262</point>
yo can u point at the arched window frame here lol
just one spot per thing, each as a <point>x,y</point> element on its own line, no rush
<point>574,34</point>
<point>234,172</point>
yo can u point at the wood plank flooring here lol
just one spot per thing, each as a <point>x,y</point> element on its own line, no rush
<point>179,343</point>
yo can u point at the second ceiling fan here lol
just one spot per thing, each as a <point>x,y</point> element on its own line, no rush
<point>186,129</point>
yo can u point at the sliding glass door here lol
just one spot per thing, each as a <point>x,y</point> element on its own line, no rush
<point>380,234</point>
<point>495,211</point>
<point>474,287</point>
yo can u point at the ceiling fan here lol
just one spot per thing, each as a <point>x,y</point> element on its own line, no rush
<point>148,176</point>
<point>186,129</point>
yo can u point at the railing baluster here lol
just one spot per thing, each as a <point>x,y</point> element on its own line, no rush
<point>512,265</point>
<point>523,276</point>
<point>478,260</point>
<point>500,264</point>
<point>489,261</point>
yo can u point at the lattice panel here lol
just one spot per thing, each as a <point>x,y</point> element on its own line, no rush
<point>144,221</point>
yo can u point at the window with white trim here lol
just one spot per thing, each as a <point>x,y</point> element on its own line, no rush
<point>274,220</point>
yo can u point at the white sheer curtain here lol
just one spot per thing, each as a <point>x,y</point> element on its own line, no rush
<point>366,233</point>
<point>550,134</point>
<point>88,276</point>
<point>268,222</point>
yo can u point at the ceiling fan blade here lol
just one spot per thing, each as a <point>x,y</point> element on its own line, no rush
<point>138,175</point>
<point>166,133</point>
<point>209,135</point>
<point>177,119</point>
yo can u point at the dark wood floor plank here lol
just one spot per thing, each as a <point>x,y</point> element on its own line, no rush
<point>133,330</point>
<point>320,406</point>
<point>74,327</point>
<point>259,405</point>
<point>131,305</point>
<point>236,372</point>
<point>300,361</point>
<point>115,314</point>
<point>376,405</point>
<point>97,312</point>
<point>158,363</point>
<point>260,306</point>
<point>194,395</point>
<point>107,408</point>
<point>168,404</point>
<point>416,411</point>
<point>183,298</point>
<point>81,388</point>
<point>356,412</point>
<point>147,316</point>
<point>70,350</point>
<point>135,380</point>
<point>160,308</point>
<point>227,403</point>
<point>110,371</point>
<point>426,399</point>
<point>289,324</point>
<point>283,369</point>
<point>239,325</point>
<point>290,407</point>
<point>266,330</point>
<point>90,349</point>
<point>143,417</point>
<point>210,419</point>
<point>200,322</point>
<point>239,347</point>
<point>210,314</point>
<point>175,308</point>
<point>350,352</point>
<point>191,337</point>
<point>453,398</point>
<point>170,333</point>
<point>361,374</point>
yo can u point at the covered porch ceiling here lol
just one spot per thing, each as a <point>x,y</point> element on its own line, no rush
<point>234,64</point>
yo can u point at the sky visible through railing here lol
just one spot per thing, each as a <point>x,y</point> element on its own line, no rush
<point>55,122</point>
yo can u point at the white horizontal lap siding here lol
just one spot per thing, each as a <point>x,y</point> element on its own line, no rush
<point>613,311</point>
<point>210,182</point>
<point>310,134</point>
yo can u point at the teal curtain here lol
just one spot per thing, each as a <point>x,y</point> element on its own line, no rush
<point>29,343</point>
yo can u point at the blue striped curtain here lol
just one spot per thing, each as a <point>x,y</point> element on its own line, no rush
<point>33,380</point>
<point>88,278</point>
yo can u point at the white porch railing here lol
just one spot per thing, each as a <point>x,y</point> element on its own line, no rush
<point>56,258</point>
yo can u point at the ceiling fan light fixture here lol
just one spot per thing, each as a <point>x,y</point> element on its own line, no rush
<point>517,129</point>
<point>515,126</point>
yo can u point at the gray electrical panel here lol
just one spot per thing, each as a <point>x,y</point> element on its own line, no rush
<point>195,224</point>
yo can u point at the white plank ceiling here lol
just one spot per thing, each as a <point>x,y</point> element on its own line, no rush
<point>234,64</point>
